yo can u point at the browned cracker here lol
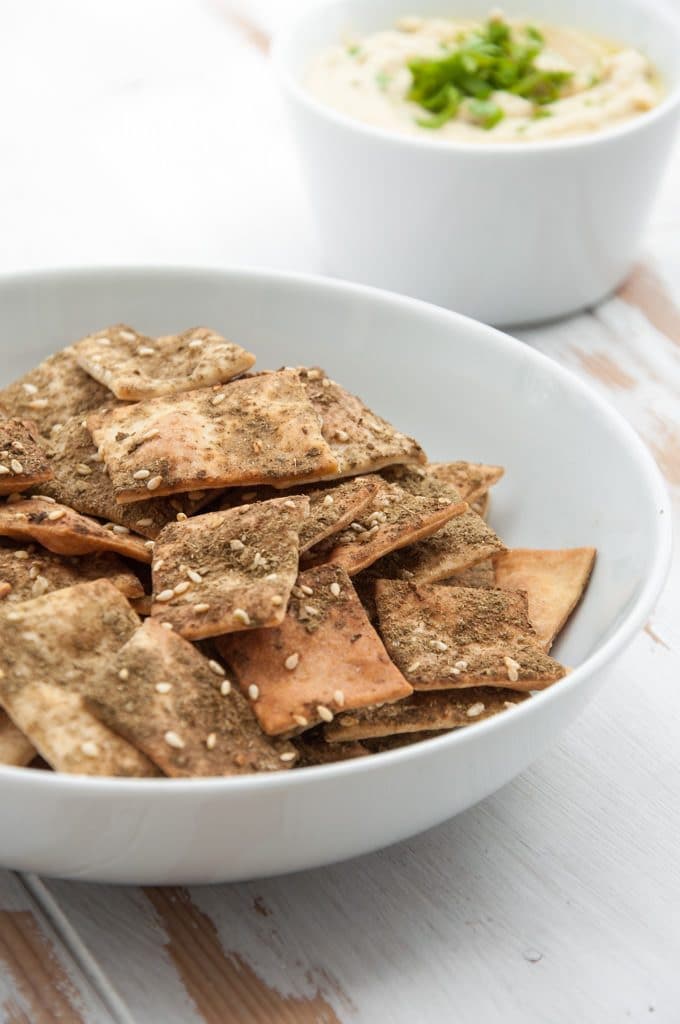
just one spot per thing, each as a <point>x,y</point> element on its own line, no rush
<point>81,482</point>
<point>53,392</point>
<point>31,572</point>
<point>313,749</point>
<point>180,710</point>
<point>228,570</point>
<point>135,367</point>
<point>259,430</point>
<point>15,748</point>
<point>463,541</point>
<point>394,519</point>
<point>69,737</point>
<point>324,656</point>
<point>450,637</point>
<point>481,505</point>
<point>423,712</point>
<point>554,582</point>
<point>481,574</point>
<point>471,479</point>
<point>66,532</point>
<point>23,462</point>
<point>361,441</point>
<point>331,507</point>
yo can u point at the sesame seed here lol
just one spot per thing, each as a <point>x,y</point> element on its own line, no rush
<point>173,740</point>
<point>83,470</point>
<point>311,610</point>
<point>300,720</point>
<point>241,615</point>
<point>225,687</point>
<point>195,342</point>
<point>509,704</point>
<point>236,545</point>
<point>357,527</point>
<point>124,674</point>
<point>462,664</point>
<point>313,374</point>
<point>122,531</point>
<point>58,513</point>
<point>125,335</point>
<point>194,576</point>
<point>163,687</point>
<point>306,590</point>
<point>39,403</point>
<point>328,500</point>
<point>439,645</point>
<point>141,474</point>
<point>154,483</point>
<point>455,671</point>
<point>45,497</point>
<point>16,466</point>
<point>277,600</point>
<point>270,577</point>
<point>211,740</point>
<point>158,564</point>
<point>146,350</point>
<point>341,435</point>
<point>4,470</point>
<point>335,589</point>
<point>144,522</point>
<point>288,755</point>
<point>324,713</point>
<point>216,668</point>
<point>89,748</point>
<point>201,607</point>
<point>30,389</point>
<point>253,691</point>
<point>339,698</point>
<point>165,595</point>
<point>289,503</point>
<point>182,587</point>
<point>292,661</point>
<point>149,544</point>
<point>218,398</point>
<point>257,561</point>
<point>475,709</point>
<point>40,587</point>
<point>167,625</point>
<point>21,555</point>
<point>513,669</point>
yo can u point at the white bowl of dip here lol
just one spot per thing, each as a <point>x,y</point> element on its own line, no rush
<point>514,232</point>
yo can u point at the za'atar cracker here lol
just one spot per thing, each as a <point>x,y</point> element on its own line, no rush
<point>259,430</point>
<point>136,367</point>
<point>324,657</point>
<point>23,461</point>
<point>471,479</point>
<point>32,571</point>
<point>423,712</point>
<point>554,582</point>
<point>15,748</point>
<point>229,570</point>
<point>66,532</point>
<point>451,637</point>
<point>53,392</point>
<point>179,708</point>
<point>361,441</point>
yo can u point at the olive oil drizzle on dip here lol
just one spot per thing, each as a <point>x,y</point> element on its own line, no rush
<point>498,81</point>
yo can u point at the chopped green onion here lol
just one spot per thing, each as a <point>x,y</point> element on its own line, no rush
<point>484,112</point>
<point>383,79</point>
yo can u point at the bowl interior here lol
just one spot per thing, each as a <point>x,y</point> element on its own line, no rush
<point>631,22</point>
<point>575,474</point>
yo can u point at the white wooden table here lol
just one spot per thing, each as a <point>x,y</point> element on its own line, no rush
<point>150,131</point>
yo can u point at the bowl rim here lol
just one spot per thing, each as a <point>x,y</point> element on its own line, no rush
<point>285,36</point>
<point>631,622</point>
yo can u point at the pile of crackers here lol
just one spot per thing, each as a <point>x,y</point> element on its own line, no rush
<point>206,570</point>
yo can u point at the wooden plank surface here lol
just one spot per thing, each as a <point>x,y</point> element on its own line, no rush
<point>555,901</point>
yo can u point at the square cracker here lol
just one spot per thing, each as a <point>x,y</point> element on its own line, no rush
<point>331,507</point>
<point>324,656</point>
<point>314,750</point>
<point>361,441</point>
<point>135,367</point>
<point>471,479</point>
<point>69,737</point>
<point>32,572</point>
<point>423,712</point>
<point>394,519</point>
<point>460,544</point>
<point>65,532</point>
<point>53,392</point>
<point>188,727</point>
<point>15,748</point>
<point>258,430</point>
<point>81,482</point>
<point>229,570</point>
<point>23,462</point>
<point>554,582</point>
<point>454,637</point>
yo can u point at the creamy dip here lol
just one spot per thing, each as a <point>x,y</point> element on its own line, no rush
<point>588,84</point>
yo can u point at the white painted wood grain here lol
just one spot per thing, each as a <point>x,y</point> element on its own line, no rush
<point>128,139</point>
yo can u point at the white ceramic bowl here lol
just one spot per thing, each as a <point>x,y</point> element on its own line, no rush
<point>506,233</point>
<point>576,474</point>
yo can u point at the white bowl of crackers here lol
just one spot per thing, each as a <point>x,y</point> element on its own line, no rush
<point>261,616</point>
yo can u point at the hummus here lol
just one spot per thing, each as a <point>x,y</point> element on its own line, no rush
<point>440,78</point>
